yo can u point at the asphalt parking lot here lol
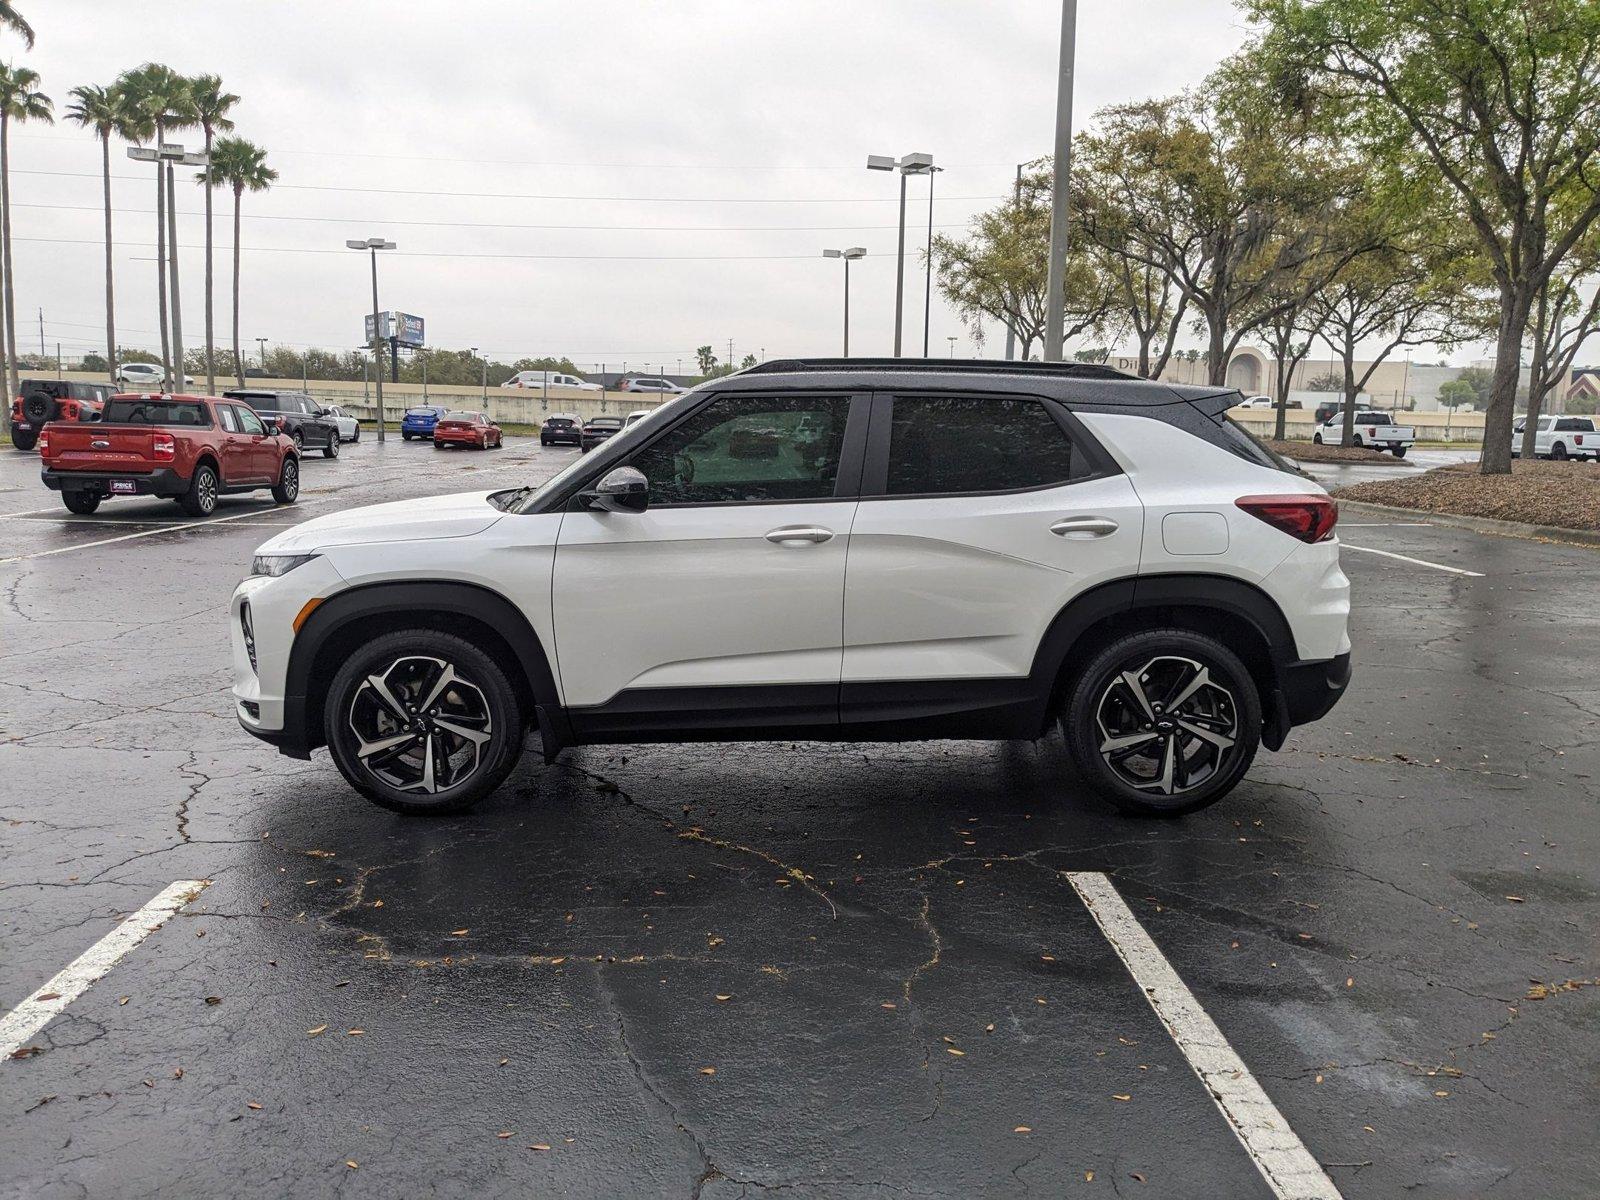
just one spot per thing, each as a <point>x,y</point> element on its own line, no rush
<point>816,970</point>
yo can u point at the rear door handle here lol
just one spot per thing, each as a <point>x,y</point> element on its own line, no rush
<point>1084,528</point>
<point>795,535</point>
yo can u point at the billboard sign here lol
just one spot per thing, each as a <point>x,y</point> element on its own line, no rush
<point>404,328</point>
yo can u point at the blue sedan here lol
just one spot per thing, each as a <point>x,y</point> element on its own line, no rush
<point>419,421</point>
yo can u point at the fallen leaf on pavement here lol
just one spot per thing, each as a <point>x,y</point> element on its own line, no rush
<point>1023,1129</point>
<point>253,1106</point>
<point>504,1134</point>
<point>1121,1097</point>
<point>708,1070</point>
<point>538,1146</point>
<point>953,1050</point>
<point>721,998</point>
<point>48,996</point>
<point>351,1163</point>
<point>357,1032</point>
<point>317,1030</point>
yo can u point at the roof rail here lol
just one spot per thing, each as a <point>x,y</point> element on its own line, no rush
<point>965,366</point>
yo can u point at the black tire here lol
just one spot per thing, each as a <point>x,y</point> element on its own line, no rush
<point>405,662</point>
<point>331,450</point>
<point>1101,707</point>
<point>544,441</point>
<point>24,439</point>
<point>404,436</point>
<point>1400,451</point>
<point>356,437</point>
<point>1316,439</point>
<point>1559,452</point>
<point>287,489</point>
<point>81,502</point>
<point>1358,443</point>
<point>201,498</point>
<point>39,407</point>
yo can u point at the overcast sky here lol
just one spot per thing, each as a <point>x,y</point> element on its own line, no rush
<point>519,153</point>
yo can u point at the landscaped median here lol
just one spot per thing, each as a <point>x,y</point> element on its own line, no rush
<point>1550,495</point>
<point>1312,452</point>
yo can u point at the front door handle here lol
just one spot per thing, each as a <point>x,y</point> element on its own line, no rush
<point>1083,528</point>
<point>796,535</point>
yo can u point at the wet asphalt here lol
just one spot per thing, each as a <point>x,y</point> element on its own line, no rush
<point>819,971</point>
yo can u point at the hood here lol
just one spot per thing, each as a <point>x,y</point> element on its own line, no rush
<point>400,521</point>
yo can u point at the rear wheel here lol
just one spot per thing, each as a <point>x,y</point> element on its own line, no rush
<point>331,450</point>
<point>420,721</point>
<point>201,498</point>
<point>24,439</point>
<point>1400,451</point>
<point>1316,439</point>
<point>404,436</point>
<point>287,489</point>
<point>82,503</point>
<point>1358,443</point>
<point>1163,722</point>
<point>1559,452</point>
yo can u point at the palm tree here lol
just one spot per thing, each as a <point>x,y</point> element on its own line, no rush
<point>211,105</point>
<point>104,110</point>
<point>158,99</point>
<point>11,19</point>
<point>20,100</point>
<point>242,166</point>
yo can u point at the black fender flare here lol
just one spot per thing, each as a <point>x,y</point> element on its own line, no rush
<point>433,597</point>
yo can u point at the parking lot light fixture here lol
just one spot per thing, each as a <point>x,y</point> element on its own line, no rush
<point>484,364</point>
<point>372,246</point>
<point>911,164</point>
<point>854,252</point>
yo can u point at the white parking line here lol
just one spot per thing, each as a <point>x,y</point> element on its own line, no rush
<point>37,1011</point>
<point>126,537</point>
<point>1420,562</point>
<point>1284,1162</point>
<point>1385,524</point>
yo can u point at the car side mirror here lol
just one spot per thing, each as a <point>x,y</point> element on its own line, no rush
<point>622,489</point>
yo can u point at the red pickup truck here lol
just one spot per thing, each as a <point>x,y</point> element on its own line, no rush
<point>191,449</point>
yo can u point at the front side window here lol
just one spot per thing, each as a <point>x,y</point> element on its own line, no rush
<point>249,422</point>
<point>947,445</point>
<point>751,450</point>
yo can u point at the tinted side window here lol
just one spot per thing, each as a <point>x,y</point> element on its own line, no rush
<point>953,444</point>
<point>738,448</point>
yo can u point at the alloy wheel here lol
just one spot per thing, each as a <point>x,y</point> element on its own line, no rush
<point>1168,727</point>
<point>208,491</point>
<point>419,725</point>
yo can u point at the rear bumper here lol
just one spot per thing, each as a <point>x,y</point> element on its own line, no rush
<point>162,482</point>
<point>464,439</point>
<point>560,435</point>
<point>1311,689</point>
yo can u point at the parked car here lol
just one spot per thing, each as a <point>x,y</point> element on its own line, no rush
<point>649,383</point>
<point>636,416</point>
<point>561,427</point>
<point>597,430</point>
<point>151,376</point>
<point>467,429</point>
<point>419,421</point>
<point>1376,430</point>
<point>300,417</point>
<point>191,449</point>
<point>1559,438</point>
<point>544,379</point>
<point>1257,402</point>
<point>349,424</point>
<point>1324,412</point>
<point>1045,544</point>
<point>40,401</point>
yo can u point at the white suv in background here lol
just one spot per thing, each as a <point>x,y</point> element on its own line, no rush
<point>1029,545</point>
<point>555,379</point>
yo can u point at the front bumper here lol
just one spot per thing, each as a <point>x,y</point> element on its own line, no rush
<point>162,482</point>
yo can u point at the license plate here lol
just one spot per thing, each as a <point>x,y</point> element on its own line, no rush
<point>123,487</point>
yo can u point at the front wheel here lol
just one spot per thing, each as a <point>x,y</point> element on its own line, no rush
<point>1163,722</point>
<point>1316,439</point>
<point>423,722</point>
<point>331,450</point>
<point>83,503</point>
<point>201,498</point>
<point>287,489</point>
<point>356,436</point>
<point>24,439</point>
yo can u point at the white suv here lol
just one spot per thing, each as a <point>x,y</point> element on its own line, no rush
<point>1027,545</point>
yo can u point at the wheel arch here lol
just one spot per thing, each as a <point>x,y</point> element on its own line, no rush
<point>1238,614</point>
<point>350,618</point>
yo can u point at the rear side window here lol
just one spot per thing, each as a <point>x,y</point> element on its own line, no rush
<point>229,417</point>
<point>156,412</point>
<point>744,449</point>
<point>948,445</point>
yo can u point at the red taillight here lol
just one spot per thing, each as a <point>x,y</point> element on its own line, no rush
<point>1578,438</point>
<point>163,448</point>
<point>1372,431</point>
<point>1308,518</point>
<point>44,443</point>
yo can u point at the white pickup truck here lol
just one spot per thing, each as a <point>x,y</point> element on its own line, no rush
<point>1559,438</point>
<point>1374,429</point>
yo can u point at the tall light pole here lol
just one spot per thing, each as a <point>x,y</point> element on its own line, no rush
<point>171,154</point>
<point>149,154</point>
<point>927,283</point>
<point>484,363</point>
<point>951,338</point>
<point>1056,281</point>
<point>372,246</point>
<point>849,255</point>
<point>1011,329</point>
<point>911,164</point>
<point>261,344</point>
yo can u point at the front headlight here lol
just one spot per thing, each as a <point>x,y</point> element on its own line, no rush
<point>274,565</point>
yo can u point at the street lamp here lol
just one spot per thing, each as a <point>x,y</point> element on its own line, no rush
<point>927,283</point>
<point>911,164</point>
<point>951,338</point>
<point>261,344</point>
<point>484,362</point>
<point>172,154</point>
<point>1056,278</point>
<point>372,246</point>
<point>849,255</point>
